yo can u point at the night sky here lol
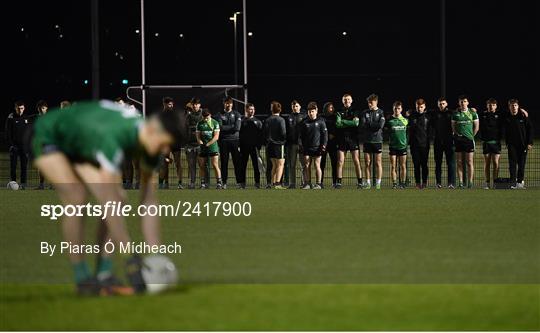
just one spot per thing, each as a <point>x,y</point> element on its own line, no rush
<point>297,51</point>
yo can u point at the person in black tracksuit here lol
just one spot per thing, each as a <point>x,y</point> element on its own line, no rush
<point>313,140</point>
<point>329,117</point>
<point>229,140</point>
<point>370,132</point>
<point>490,134</point>
<point>275,135</point>
<point>518,133</point>
<point>18,125</point>
<point>251,132</point>
<point>419,128</point>
<point>42,109</point>
<point>192,147</point>
<point>443,143</point>
<point>173,155</point>
<point>293,121</point>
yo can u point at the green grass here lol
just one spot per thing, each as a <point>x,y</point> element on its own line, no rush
<point>305,260</point>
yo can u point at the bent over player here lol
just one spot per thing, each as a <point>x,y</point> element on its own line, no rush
<point>81,152</point>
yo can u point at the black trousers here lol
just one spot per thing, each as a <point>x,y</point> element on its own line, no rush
<point>420,161</point>
<point>245,153</point>
<point>18,153</point>
<point>232,147</point>
<point>446,149</point>
<point>517,156</point>
<point>331,151</point>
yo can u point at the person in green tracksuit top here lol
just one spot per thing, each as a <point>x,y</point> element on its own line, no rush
<point>207,136</point>
<point>347,122</point>
<point>398,140</point>
<point>465,125</point>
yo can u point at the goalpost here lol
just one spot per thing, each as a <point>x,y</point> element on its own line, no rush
<point>144,87</point>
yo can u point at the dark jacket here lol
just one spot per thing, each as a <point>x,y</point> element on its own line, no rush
<point>251,132</point>
<point>313,133</point>
<point>372,124</point>
<point>518,130</point>
<point>330,121</point>
<point>17,127</point>
<point>293,121</point>
<point>490,126</point>
<point>229,125</point>
<point>441,124</point>
<point>419,129</point>
<point>275,130</point>
<point>192,119</point>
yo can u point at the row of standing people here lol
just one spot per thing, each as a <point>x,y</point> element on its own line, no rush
<point>346,130</point>
<point>18,126</point>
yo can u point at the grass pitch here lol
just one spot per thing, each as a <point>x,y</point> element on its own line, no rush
<point>304,260</point>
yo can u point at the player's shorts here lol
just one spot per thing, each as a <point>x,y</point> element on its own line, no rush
<point>398,152</point>
<point>464,145</point>
<point>347,143</point>
<point>491,148</point>
<point>313,152</point>
<point>372,148</point>
<point>205,152</point>
<point>274,150</point>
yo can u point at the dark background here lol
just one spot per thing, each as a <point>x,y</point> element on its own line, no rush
<point>297,50</point>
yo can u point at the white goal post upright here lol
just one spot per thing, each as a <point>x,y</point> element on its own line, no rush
<point>143,87</point>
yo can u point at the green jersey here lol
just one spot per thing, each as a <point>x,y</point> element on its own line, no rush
<point>464,123</point>
<point>206,129</point>
<point>101,133</point>
<point>398,132</point>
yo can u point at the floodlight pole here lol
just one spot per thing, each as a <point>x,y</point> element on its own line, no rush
<point>443,48</point>
<point>235,18</point>
<point>94,9</point>
<point>143,62</point>
<point>244,24</point>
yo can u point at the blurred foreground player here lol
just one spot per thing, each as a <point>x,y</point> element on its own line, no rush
<point>81,153</point>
